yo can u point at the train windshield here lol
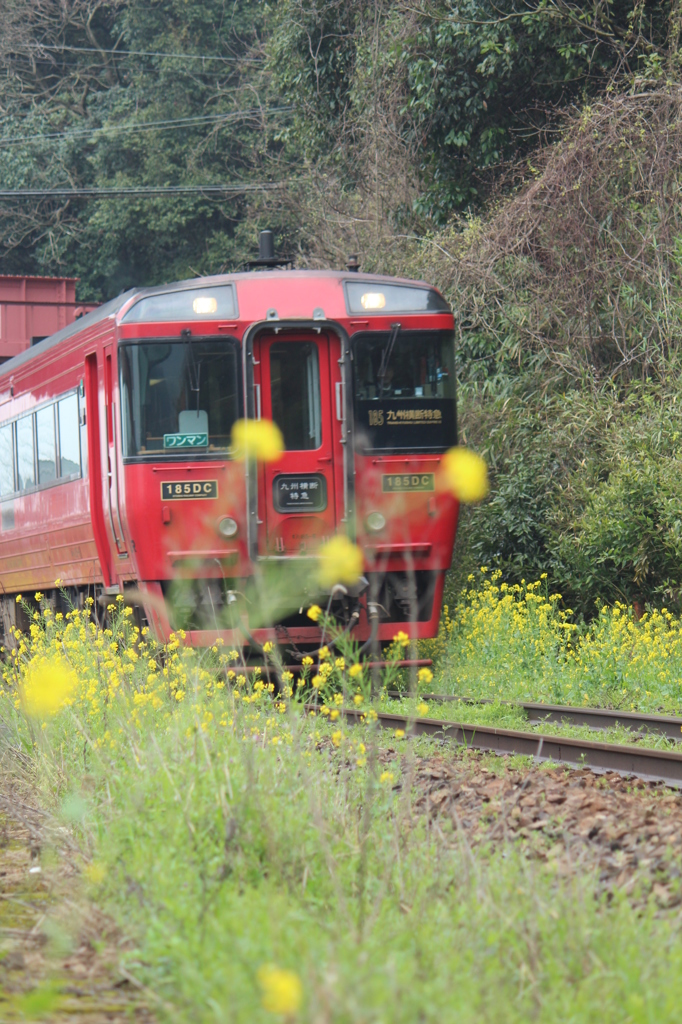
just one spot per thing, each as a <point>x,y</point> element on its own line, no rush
<point>178,397</point>
<point>404,390</point>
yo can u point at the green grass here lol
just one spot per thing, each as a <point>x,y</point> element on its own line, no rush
<point>224,835</point>
<point>223,855</point>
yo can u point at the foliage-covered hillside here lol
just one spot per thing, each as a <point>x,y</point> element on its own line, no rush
<point>403,112</point>
<point>523,156</point>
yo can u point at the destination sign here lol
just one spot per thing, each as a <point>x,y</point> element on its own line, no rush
<point>185,440</point>
<point>407,417</point>
<point>401,424</point>
<point>297,493</point>
<point>184,490</point>
<point>392,483</point>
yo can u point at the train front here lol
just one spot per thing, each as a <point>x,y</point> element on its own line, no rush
<point>358,375</point>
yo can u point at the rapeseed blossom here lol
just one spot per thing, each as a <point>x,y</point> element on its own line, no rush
<point>465,474</point>
<point>257,439</point>
<point>340,561</point>
<point>517,641</point>
<point>95,872</point>
<point>48,685</point>
<point>282,990</point>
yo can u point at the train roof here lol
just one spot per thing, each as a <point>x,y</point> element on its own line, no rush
<point>114,306</point>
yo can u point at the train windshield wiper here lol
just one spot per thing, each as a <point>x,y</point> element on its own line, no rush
<point>386,357</point>
<point>194,368</point>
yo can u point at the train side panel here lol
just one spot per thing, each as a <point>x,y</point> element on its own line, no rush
<point>46,530</point>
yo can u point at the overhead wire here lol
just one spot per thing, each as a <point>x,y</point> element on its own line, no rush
<point>146,53</point>
<point>178,122</point>
<point>146,190</point>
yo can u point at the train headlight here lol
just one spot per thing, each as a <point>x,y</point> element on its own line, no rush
<point>204,304</point>
<point>373,300</point>
<point>375,522</point>
<point>228,527</point>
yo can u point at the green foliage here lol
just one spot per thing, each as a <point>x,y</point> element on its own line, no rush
<point>322,97</point>
<point>586,487</point>
<point>107,139</point>
<point>484,80</point>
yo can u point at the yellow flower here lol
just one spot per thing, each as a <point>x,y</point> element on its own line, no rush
<point>268,646</point>
<point>323,653</point>
<point>386,777</point>
<point>314,613</point>
<point>422,708</point>
<point>399,734</point>
<point>337,737</point>
<point>425,675</point>
<point>317,681</point>
<point>465,474</point>
<point>282,991</point>
<point>401,638</point>
<point>257,439</point>
<point>48,685</point>
<point>358,699</point>
<point>341,561</point>
<point>354,671</point>
<point>38,596</point>
<point>340,663</point>
<point>95,872</point>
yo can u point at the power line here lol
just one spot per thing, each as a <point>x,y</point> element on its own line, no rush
<point>146,53</point>
<point>179,122</point>
<point>161,190</point>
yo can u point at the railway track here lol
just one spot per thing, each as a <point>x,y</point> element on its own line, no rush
<point>564,714</point>
<point>642,762</point>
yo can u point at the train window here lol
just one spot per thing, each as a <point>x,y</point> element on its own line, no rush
<point>168,387</point>
<point>295,393</point>
<point>69,436</point>
<point>47,452</point>
<point>6,460</point>
<point>26,476</point>
<point>404,385</point>
<point>376,297</point>
<point>190,304</point>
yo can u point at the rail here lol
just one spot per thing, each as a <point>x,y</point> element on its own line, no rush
<point>644,763</point>
<point>564,714</point>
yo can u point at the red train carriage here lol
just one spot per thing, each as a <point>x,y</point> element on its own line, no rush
<point>116,471</point>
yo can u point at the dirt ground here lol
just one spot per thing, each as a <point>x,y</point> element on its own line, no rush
<point>628,832</point>
<point>59,955</point>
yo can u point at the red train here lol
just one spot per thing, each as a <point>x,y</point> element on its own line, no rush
<point>116,471</point>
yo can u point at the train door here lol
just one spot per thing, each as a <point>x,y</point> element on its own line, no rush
<point>113,509</point>
<point>297,501</point>
<point>98,483</point>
